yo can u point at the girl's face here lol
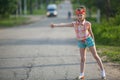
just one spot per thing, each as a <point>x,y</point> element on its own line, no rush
<point>80,17</point>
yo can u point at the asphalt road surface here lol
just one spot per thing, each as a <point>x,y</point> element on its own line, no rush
<point>37,52</point>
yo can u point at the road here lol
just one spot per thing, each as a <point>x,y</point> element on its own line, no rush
<point>37,52</point>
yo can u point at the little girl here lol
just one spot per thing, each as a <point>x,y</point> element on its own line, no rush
<point>85,39</point>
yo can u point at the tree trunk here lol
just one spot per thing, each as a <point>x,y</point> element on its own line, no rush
<point>108,9</point>
<point>31,7</point>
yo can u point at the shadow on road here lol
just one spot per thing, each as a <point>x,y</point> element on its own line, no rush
<point>45,65</point>
<point>38,42</point>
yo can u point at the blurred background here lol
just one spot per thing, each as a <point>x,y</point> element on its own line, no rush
<point>106,13</point>
<point>103,14</point>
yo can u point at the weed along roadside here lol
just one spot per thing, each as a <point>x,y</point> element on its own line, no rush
<point>12,21</point>
<point>16,21</point>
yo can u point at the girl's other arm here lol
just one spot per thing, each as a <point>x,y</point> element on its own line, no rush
<point>62,25</point>
<point>91,33</point>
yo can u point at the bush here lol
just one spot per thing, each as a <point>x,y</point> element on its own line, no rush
<point>7,7</point>
<point>115,20</point>
<point>107,34</point>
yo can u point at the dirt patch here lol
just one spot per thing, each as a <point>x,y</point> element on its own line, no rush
<point>112,71</point>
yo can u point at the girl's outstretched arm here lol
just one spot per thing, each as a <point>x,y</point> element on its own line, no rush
<point>62,25</point>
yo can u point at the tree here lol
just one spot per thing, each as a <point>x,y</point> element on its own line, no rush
<point>109,8</point>
<point>7,7</point>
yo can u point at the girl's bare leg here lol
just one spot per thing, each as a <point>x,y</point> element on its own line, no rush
<point>96,56</point>
<point>83,59</point>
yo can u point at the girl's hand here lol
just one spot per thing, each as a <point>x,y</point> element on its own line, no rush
<point>52,25</point>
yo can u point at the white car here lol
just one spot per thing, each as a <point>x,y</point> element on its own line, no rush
<point>51,10</point>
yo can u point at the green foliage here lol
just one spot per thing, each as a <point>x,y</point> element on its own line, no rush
<point>7,7</point>
<point>91,19</point>
<point>58,1</point>
<point>115,20</point>
<point>109,8</point>
<point>106,33</point>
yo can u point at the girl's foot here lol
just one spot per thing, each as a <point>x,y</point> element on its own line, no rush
<point>103,75</point>
<point>104,78</point>
<point>81,77</point>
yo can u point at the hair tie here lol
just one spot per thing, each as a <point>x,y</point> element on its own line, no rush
<point>80,11</point>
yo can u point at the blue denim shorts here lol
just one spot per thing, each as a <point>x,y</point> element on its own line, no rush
<point>87,43</point>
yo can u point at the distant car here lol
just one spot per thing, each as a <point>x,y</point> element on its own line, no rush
<point>52,10</point>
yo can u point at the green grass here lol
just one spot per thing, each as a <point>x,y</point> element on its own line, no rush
<point>111,53</point>
<point>12,21</point>
<point>39,12</point>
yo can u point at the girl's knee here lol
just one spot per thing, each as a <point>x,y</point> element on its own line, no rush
<point>83,59</point>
